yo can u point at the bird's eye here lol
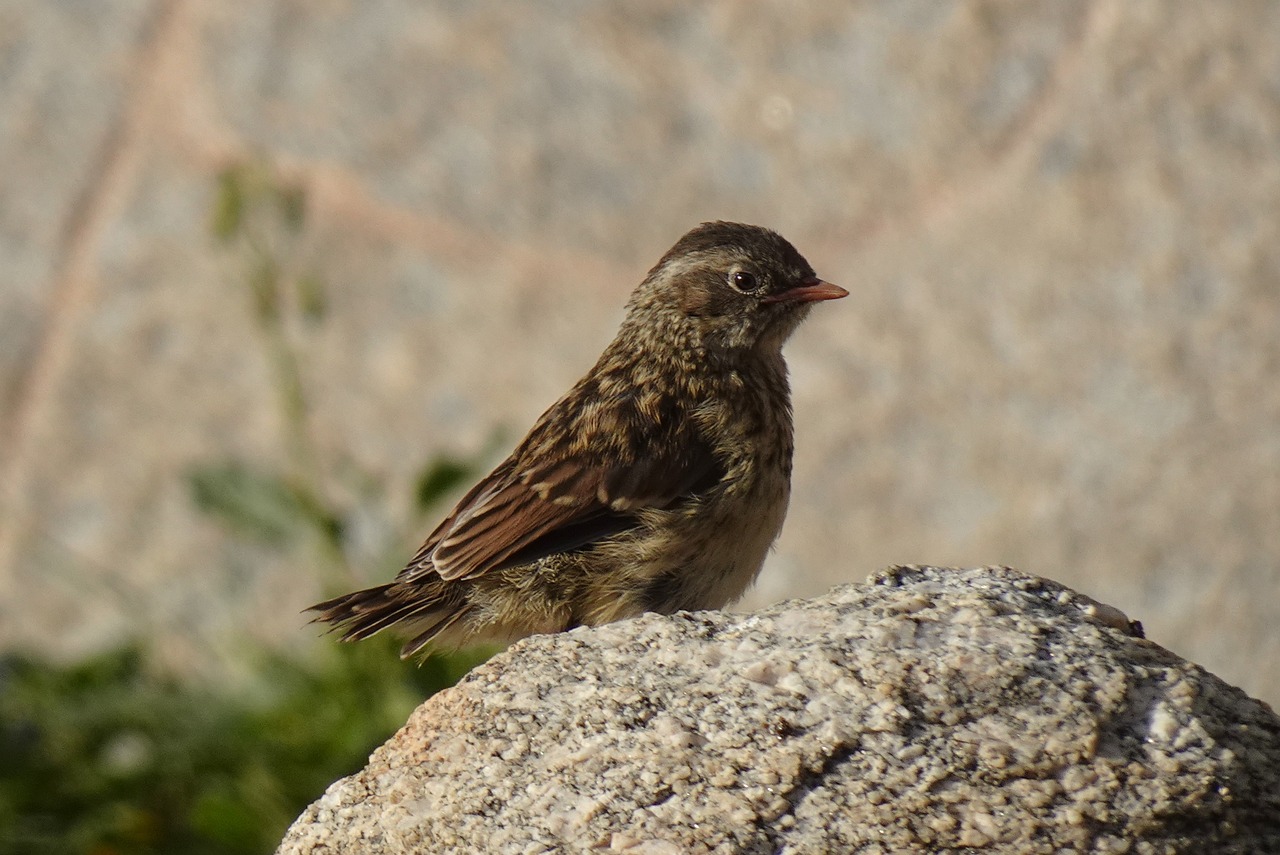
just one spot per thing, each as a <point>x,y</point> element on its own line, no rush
<point>744,281</point>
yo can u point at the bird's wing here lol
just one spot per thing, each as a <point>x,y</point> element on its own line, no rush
<point>537,503</point>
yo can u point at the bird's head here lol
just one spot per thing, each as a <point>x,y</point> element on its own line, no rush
<point>730,287</point>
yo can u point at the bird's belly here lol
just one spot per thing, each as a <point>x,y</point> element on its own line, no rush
<point>703,556</point>
<point>731,558</point>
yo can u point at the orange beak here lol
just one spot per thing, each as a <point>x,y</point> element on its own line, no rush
<point>808,291</point>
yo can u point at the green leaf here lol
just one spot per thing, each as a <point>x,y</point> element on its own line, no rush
<point>438,478</point>
<point>264,282</point>
<point>293,206</point>
<point>313,302</point>
<point>229,205</point>
<point>222,815</point>
<point>258,505</point>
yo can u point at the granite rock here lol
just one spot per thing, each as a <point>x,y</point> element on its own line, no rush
<point>930,710</point>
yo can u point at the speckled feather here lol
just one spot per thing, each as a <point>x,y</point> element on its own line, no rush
<point>657,483</point>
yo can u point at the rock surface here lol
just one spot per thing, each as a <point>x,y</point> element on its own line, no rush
<point>933,710</point>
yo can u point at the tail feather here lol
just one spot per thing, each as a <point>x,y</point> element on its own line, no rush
<point>432,632</point>
<point>413,607</point>
<point>384,615</point>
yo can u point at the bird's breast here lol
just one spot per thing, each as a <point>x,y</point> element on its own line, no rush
<point>714,548</point>
<point>705,553</point>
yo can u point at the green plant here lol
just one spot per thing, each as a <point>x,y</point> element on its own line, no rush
<point>107,756</point>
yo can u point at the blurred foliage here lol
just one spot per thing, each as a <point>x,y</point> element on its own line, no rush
<point>260,506</point>
<point>112,755</point>
<point>108,756</point>
<point>440,478</point>
<point>251,190</point>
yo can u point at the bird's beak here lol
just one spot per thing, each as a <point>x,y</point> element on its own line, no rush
<point>808,291</point>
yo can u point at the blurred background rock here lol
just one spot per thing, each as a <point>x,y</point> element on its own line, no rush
<point>1060,223</point>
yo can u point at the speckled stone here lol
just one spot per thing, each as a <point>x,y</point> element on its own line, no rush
<point>932,709</point>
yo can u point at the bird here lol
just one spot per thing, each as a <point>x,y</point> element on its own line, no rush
<point>657,483</point>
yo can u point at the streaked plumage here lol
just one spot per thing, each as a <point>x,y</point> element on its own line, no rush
<point>657,483</point>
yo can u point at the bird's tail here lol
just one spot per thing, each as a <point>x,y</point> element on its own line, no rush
<point>428,612</point>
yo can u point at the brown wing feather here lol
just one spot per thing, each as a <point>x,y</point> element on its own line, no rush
<point>535,504</point>
<point>518,518</point>
<point>421,561</point>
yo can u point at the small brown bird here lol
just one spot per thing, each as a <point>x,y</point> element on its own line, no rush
<point>658,483</point>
